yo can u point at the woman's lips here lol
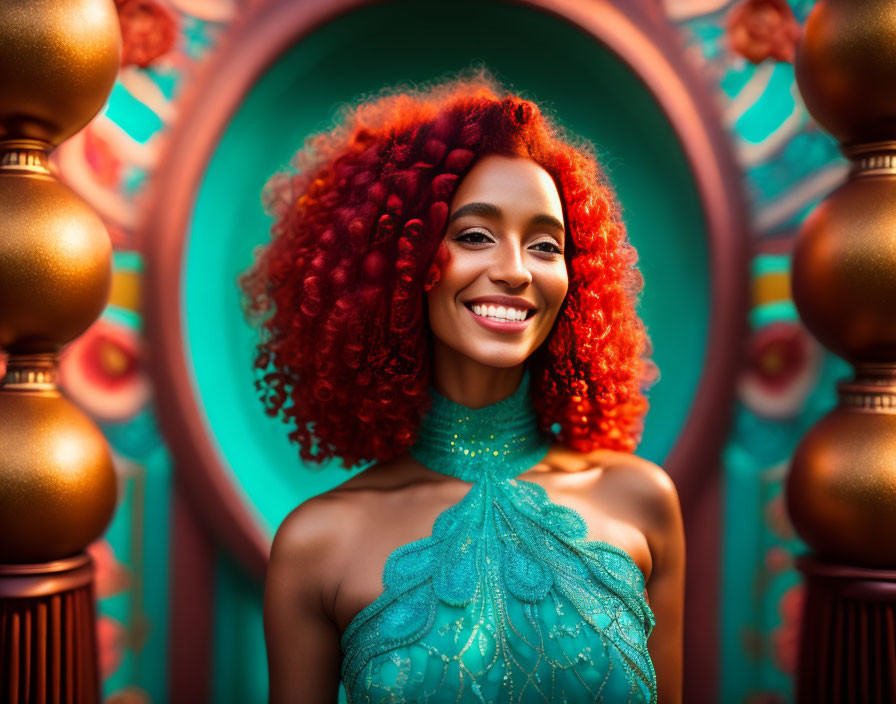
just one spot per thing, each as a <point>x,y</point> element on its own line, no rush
<point>500,325</point>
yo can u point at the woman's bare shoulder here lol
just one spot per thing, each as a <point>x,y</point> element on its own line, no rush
<point>648,486</point>
<point>320,528</point>
<point>640,483</point>
<point>566,459</point>
<point>638,470</point>
<point>312,546</point>
<point>314,530</point>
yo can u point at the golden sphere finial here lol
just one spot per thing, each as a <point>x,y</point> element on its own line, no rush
<point>58,61</point>
<point>846,68</point>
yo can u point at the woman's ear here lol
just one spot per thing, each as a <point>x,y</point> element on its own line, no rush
<point>443,256</point>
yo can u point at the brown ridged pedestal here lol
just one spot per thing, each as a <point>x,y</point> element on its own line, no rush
<point>48,650</point>
<point>58,62</point>
<point>841,491</point>
<point>849,641</point>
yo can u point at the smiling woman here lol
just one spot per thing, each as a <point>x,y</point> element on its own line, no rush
<point>503,278</point>
<point>450,292</point>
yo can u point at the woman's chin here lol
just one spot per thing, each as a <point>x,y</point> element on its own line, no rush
<point>504,358</point>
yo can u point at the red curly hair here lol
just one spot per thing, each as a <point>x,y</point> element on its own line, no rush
<point>338,293</point>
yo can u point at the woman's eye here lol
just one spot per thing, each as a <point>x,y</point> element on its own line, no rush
<point>477,237</point>
<point>466,237</point>
<point>554,249</point>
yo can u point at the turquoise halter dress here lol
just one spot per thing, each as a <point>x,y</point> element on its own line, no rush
<point>506,601</point>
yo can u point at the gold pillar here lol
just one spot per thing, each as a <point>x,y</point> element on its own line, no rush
<point>841,491</point>
<point>58,62</point>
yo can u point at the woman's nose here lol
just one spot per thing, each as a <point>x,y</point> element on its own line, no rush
<point>510,267</point>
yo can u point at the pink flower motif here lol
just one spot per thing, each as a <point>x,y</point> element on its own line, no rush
<point>148,30</point>
<point>762,29</point>
<point>102,372</point>
<point>782,365</point>
<point>110,640</point>
<point>110,576</point>
<point>785,638</point>
<point>102,160</point>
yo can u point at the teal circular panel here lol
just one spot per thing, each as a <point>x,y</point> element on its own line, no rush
<point>543,58</point>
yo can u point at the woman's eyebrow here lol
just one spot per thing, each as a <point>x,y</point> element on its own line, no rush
<point>490,210</point>
<point>548,221</point>
<point>484,209</point>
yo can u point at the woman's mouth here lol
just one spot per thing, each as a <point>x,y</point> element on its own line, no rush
<point>499,318</point>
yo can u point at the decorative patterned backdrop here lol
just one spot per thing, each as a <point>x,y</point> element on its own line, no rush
<point>787,383</point>
<point>788,379</point>
<point>109,164</point>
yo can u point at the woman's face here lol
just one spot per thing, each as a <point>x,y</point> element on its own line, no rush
<point>506,279</point>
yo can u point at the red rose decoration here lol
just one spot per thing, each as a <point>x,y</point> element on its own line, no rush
<point>102,372</point>
<point>110,576</point>
<point>762,29</point>
<point>782,367</point>
<point>110,636</point>
<point>786,637</point>
<point>148,30</point>
<point>102,159</point>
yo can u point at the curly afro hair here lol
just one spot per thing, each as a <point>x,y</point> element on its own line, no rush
<point>338,293</point>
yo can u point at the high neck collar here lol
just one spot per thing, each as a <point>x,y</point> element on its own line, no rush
<point>498,441</point>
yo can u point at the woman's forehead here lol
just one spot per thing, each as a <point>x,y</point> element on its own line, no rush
<point>510,183</point>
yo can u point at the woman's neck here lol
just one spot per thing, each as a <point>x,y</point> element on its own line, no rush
<point>470,383</point>
<point>498,441</point>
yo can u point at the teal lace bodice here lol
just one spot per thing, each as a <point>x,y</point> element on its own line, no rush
<point>506,601</point>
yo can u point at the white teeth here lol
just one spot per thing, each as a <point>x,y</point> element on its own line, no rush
<point>499,312</point>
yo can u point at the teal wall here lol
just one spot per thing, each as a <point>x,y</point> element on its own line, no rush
<point>601,100</point>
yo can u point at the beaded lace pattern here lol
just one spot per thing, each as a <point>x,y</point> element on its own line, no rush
<point>506,601</point>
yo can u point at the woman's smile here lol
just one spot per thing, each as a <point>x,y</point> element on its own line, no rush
<point>501,313</point>
<point>501,319</point>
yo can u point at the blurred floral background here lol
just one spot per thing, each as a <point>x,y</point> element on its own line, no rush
<point>745,49</point>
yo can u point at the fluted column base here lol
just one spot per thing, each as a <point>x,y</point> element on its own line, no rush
<point>848,634</point>
<point>48,648</point>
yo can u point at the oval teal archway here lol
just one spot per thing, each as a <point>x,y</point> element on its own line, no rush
<point>647,166</point>
<point>613,77</point>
